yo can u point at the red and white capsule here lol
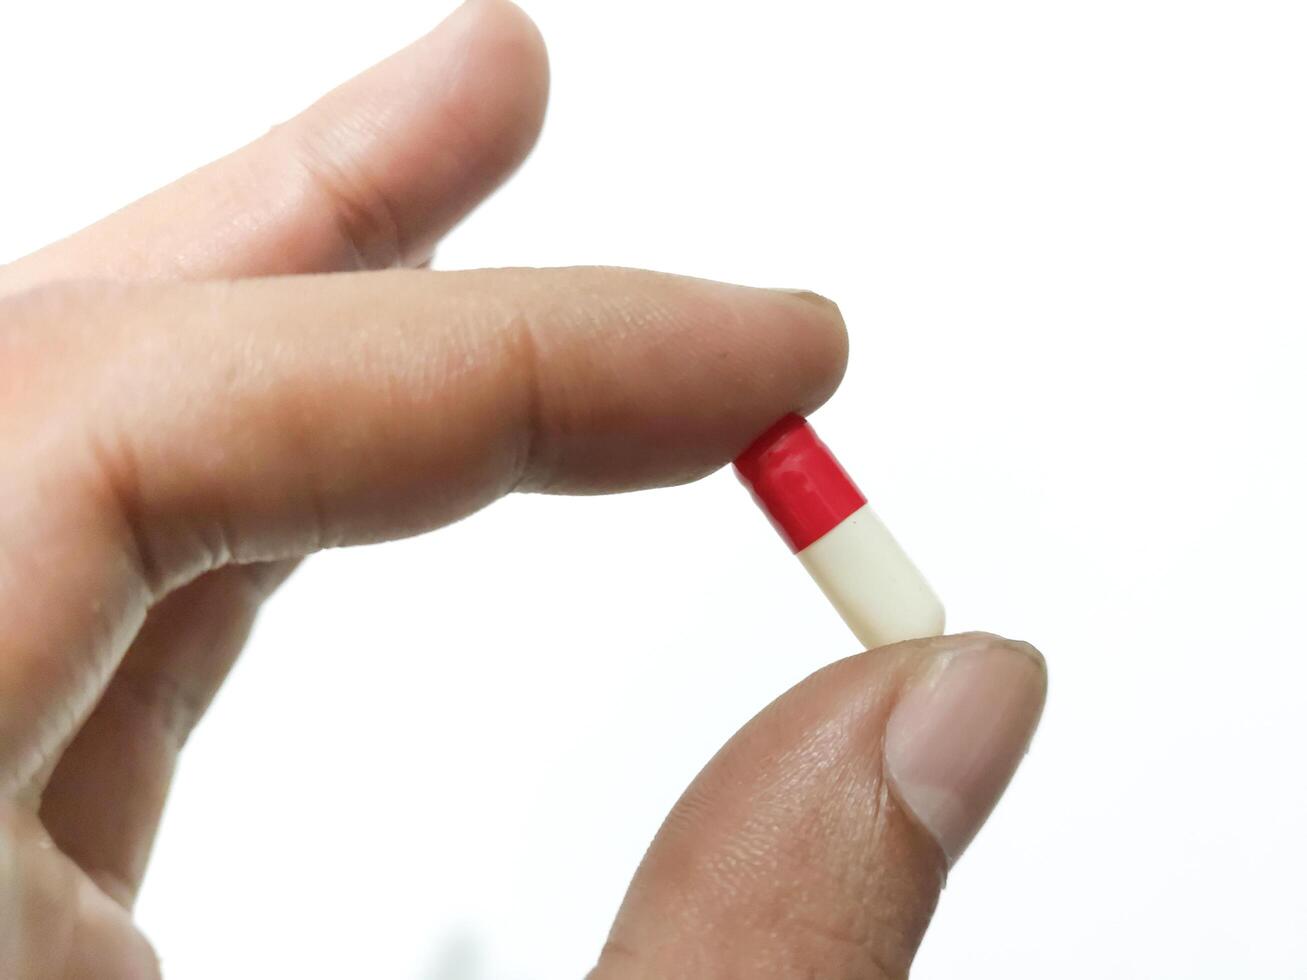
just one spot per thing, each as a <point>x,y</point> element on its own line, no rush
<point>842,543</point>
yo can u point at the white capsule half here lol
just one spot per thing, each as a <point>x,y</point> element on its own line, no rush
<point>872,583</point>
<point>844,546</point>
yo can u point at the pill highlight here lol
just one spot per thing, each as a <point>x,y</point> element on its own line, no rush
<point>848,551</point>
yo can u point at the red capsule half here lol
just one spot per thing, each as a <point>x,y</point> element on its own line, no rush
<point>797,481</point>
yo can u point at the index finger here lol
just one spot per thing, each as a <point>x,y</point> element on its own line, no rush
<point>237,422</point>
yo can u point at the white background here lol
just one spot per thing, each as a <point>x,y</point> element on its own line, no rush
<point>1070,240</point>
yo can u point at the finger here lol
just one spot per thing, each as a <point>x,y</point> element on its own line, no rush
<point>56,925</point>
<point>816,842</point>
<point>370,176</point>
<point>103,803</point>
<point>343,410</point>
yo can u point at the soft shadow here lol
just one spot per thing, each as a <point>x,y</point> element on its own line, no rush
<point>458,959</point>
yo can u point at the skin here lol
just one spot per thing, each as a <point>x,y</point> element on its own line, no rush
<point>184,413</point>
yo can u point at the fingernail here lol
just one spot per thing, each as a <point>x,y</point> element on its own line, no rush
<point>815,299</point>
<point>960,730</point>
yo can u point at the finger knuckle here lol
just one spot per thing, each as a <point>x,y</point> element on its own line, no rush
<point>54,340</point>
<point>67,353</point>
<point>43,341</point>
<point>365,218</point>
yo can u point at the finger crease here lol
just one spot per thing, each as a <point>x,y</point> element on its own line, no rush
<point>121,484</point>
<point>364,217</point>
<point>533,469</point>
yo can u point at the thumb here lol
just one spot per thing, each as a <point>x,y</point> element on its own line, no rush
<point>816,842</point>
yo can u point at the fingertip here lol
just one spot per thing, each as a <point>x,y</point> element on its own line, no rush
<point>501,85</point>
<point>515,27</point>
<point>821,345</point>
<point>690,371</point>
<point>406,150</point>
<point>1027,658</point>
<point>960,726</point>
<point>798,347</point>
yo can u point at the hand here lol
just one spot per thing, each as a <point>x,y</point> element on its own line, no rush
<point>177,433</point>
